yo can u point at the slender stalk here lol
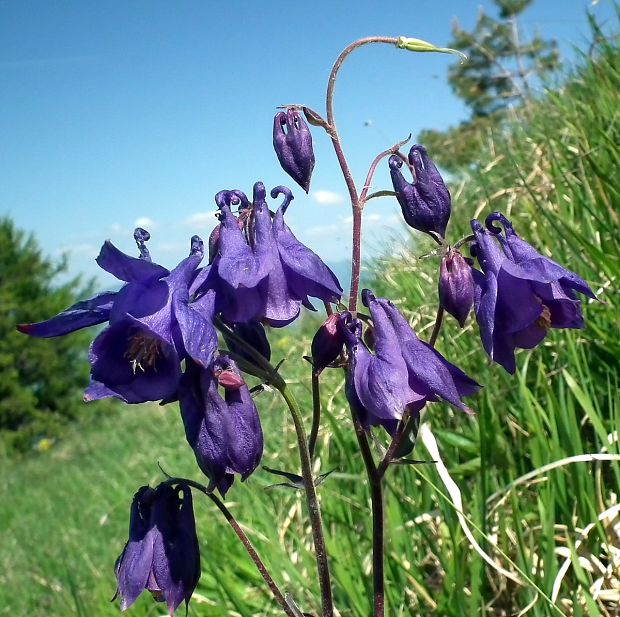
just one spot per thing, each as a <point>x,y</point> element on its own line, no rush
<point>314,511</point>
<point>316,413</point>
<point>260,566</point>
<point>436,327</point>
<point>373,167</point>
<point>376,500</point>
<point>344,166</point>
<point>356,258</point>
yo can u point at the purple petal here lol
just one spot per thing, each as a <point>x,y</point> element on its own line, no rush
<point>82,314</point>
<point>197,331</point>
<point>237,264</point>
<point>134,564</point>
<point>429,372</point>
<point>309,275</point>
<point>127,268</point>
<point>204,414</point>
<point>244,432</point>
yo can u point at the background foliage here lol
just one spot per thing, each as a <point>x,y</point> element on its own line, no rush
<point>40,381</point>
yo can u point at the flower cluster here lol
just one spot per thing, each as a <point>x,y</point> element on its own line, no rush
<point>161,344</point>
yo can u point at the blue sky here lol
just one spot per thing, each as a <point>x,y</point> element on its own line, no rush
<point>120,113</point>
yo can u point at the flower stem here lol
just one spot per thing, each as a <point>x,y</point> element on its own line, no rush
<point>260,566</point>
<point>436,327</point>
<point>314,511</point>
<point>376,500</point>
<point>316,413</point>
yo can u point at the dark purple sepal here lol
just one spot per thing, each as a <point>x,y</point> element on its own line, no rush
<point>244,432</point>
<point>204,412</point>
<point>196,326</point>
<point>281,305</point>
<point>133,566</point>
<point>429,375</point>
<point>82,314</point>
<point>127,268</point>
<point>305,271</point>
<point>456,286</point>
<point>292,142</point>
<point>351,331</point>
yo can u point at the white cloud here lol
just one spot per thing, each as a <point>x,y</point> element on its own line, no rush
<point>145,222</point>
<point>201,220</point>
<point>327,198</point>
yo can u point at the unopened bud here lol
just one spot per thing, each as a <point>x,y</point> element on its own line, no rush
<point>326,344</point>
<point>456,286</point>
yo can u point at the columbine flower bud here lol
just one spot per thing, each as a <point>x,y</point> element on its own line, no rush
<point>425,203</point>
<point>326,344</point>
<point>292,142</point>
<point>456,286</point>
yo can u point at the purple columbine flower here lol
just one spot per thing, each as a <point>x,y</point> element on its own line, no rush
<point>403,374</point>
<point>292,142</point>
<point>260,271</point>
<point>520,294</point>
<point>162,553</point>
<point>456,286</point>
<point>152,325</point>
<point>224,432</point>
<point>425,203</point>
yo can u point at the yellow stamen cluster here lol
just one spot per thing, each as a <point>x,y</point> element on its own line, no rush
<point>544,319</point>
<point>142,352</point>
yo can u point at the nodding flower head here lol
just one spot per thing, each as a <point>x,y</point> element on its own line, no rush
<point>223,431</point>
<point>292,142</point>
<point>162,553</point>
<point>425,202</point>
<point>519,293</point>
<point>402,375</point>
<point>260,272</point>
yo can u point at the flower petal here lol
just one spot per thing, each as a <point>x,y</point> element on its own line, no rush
<point>127,268</point>
<point>82,314</point>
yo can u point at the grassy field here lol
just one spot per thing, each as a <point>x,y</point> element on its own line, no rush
<point>532,499</point>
